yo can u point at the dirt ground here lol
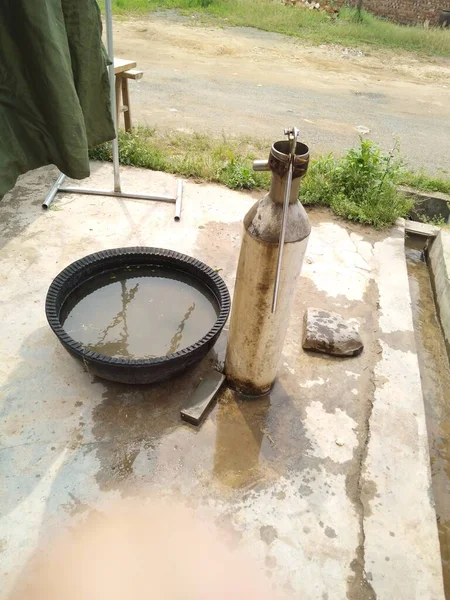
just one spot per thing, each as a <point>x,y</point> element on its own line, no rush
<point>244,81</point>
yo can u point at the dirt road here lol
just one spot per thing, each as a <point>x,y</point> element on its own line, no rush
<point>244,81</point>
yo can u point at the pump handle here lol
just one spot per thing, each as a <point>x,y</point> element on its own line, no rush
<point>292,134</point>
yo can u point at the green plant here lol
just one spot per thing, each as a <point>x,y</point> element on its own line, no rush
<point>421,181</point>
<point>437,220</point>
<point>361,186</point>
<point>238,175</point>
<point>359,9</point>
<point>223,160</point>
<point>318,187</point>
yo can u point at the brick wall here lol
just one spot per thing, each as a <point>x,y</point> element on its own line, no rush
<point>405,11</point>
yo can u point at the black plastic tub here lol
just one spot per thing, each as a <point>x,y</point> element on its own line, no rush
<point>141,370</point>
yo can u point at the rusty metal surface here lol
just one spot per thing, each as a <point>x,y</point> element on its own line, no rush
<point>279,159</point>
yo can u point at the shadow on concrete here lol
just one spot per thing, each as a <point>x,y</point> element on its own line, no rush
<point>23,204</point>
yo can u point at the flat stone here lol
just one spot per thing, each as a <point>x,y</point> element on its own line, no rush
<point>197,404</point>
<point>328,332</point>
<point>424,229</point>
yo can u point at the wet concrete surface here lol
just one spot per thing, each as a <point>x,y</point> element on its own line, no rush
<point>325,481</point>
<point>435,377</point>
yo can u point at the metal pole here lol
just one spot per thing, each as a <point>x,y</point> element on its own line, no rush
<point>177,216</point>
<point>112,85</point>
<point>93,192</point>
<point>282,237</point>
<point>54,190</point>
<point>293,141</point>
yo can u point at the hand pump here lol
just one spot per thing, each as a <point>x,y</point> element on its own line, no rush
<point>276,231</point>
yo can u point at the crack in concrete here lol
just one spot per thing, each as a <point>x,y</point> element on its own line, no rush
<point>44,443</point>
<point>358,585</point>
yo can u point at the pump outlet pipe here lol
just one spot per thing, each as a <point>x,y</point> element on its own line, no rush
<point>257,332</point>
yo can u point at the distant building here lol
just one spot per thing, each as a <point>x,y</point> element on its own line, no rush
<point>405,11</point>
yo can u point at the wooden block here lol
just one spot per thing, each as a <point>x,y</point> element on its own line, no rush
<point>133,74</point>
<point>121,65</point>
<point>126,103</point>
<point>118,98</point>
<point>196,405</point>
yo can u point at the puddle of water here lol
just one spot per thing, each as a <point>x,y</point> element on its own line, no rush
<point>243,444</point>
<point>240,424</point>
<point>135,314</point>
<point>435,375</point>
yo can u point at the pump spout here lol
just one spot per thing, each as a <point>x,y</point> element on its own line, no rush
<point>261,165</point>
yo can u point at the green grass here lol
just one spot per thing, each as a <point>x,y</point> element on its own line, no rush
<point>225,160</point>
<point>421,181</point>
<point>314,26</point>
<point>360,186</point>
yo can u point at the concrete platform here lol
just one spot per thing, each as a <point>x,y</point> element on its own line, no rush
<point>325,482</point>
<point>428,204</point>
<point>439,260</point>
<point>423,229</point>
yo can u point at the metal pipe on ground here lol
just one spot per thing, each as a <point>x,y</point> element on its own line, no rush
<point>117,191</point>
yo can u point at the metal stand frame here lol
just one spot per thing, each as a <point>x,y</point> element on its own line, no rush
<point>117,192</point>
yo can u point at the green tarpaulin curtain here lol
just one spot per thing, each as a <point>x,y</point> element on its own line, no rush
<point>54,88</point>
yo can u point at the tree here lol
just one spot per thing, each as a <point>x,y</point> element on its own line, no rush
<point>359,9</point>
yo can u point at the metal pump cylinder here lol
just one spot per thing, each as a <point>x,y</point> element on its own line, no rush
<point>257,330</point>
